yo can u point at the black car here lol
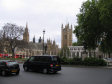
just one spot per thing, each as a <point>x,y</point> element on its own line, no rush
<point>45,64</point>
<point>9,67</point>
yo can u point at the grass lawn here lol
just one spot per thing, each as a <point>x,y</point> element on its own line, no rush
<point>18,59</point>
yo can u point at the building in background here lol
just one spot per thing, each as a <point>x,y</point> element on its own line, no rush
<point>36,48</point>
<point>79,51</point>
<point>52,48</point>
<point>66,36</point>
<point>76,51</point>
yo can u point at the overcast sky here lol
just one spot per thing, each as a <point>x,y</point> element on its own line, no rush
<point>40,15</point>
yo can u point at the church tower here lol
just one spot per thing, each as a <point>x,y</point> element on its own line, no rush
<point>26,34</point>
<point>66,36</point>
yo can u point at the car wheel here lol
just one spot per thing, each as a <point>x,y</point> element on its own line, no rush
<point>3,73</point>
<point>45,71</point>
<point>26,68</point>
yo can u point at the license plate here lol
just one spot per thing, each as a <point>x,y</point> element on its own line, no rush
<point>14,70</point>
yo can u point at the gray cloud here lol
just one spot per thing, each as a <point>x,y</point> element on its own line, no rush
<point>40,14</point>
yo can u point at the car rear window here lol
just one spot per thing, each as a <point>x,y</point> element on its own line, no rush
<point>11,63</point>
<point>55,59</point>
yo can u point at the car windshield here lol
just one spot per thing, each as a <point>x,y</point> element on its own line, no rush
<point>12,63</point>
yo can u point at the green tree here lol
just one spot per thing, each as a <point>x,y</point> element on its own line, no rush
<point>105,10</point>
<point>88,26</point>
<point>94,25</point>
<point>78,43</point>
<point>75,44</point>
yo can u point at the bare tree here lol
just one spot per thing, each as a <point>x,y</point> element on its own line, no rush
<point>1,41</point>
<point>12,34</point>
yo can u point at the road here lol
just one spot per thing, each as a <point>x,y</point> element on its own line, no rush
<point>68,75</point>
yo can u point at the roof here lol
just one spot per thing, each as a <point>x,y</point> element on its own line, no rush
<point>38,46</point>
<point>31,45</point>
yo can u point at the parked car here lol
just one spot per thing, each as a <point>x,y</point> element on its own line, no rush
<point>108,60</point>
<point>45,64</point>
<point>9,67</point>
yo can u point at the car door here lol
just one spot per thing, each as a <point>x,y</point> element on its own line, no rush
<point>41,63</point>
<point>44,62</point>
<point>2,66</point>
<point>35,63</point>
<point>30,63</point>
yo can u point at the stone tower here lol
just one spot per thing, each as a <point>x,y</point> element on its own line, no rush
<point>66,36</point>
<point>26,34</point>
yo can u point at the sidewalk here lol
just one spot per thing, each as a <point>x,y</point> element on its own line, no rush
<point>109,67</point>
<point>81,66</point>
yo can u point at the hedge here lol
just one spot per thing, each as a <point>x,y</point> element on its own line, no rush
<point>89,61</point>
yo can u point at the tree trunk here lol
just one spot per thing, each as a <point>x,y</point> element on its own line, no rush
<point>94,54</point>
<point>89,53</point>
<point>108,54</point>
<point>13,53</point>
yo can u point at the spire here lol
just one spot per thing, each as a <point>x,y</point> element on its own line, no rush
<point>40,40</point>
<point>54,42</point>
<point>26,29</point>
<point>34,39</point>
<point>71,26</point>
<point>51,41</point>
<point>62,26</point>
<point>68,25</point>
<point>4,35</point>
<point>26,34</point>
<point>27,25</point>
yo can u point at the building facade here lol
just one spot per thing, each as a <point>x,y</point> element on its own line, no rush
<point>32,49</point>
<point>52,48</point>
<point>36,48</point>
<point>66,36</point>
<point>79,51</point>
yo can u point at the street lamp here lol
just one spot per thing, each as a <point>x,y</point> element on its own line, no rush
<point>43,41</point>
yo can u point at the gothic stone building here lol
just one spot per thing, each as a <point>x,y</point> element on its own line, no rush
<point>66,36</point>
<point>52,48</point>
<point>34,48</point>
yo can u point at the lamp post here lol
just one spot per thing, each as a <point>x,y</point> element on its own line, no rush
<point>43,41</point>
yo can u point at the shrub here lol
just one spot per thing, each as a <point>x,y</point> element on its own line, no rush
<point>77,61</point>
<point>90,61</point>
<point>63,60</point>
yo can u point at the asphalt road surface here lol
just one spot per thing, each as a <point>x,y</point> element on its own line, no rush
<point>68,75</point>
